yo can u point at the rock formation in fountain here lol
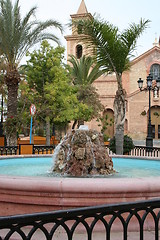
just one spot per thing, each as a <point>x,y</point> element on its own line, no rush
<point>82,153</point>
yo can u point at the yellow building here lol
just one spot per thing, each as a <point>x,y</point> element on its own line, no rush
<point>137,102</point>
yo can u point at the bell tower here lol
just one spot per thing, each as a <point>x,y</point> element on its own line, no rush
<point>74,44</point>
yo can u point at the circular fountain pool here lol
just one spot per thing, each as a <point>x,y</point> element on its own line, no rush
<point>28,194</point>
<point>41,167</point>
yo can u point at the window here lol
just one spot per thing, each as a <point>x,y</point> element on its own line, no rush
<point>155,71</point>
<point>79,51</point>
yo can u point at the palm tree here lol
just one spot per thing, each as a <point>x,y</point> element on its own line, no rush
<point>84,72</point>
<point>17,35</point>
<point>113,52</point>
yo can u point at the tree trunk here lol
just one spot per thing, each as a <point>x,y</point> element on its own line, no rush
<point>119,116</point>
<point>74,124</point>
<point>48,131</point>
<point>11,128</point>
<point>12,79</point>
<point>119,137</point>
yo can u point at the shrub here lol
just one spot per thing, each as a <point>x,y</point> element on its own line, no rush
<point>127,145</point>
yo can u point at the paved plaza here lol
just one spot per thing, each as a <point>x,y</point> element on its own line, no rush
<point>148,235</point>
<point>114,236</point>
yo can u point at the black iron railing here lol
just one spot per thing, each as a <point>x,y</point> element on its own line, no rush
<point>138,216</point>
<point>140,151</point>
<point>16,150</point>
<point>11,150</point>
<point>39,149</point>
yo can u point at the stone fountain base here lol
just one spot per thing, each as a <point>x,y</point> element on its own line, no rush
<point>82,153</point>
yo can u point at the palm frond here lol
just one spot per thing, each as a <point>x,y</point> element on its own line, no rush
<point>18,34</point>
<point>84,70</point>
<point>113,49</point>
<point>130,35</point>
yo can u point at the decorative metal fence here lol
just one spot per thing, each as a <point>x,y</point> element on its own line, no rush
<point>12,150</point>
<point>139,151</point>
<point>43,149</point>
<point>67,224</point>
<point>142,151</point>
<point>16,150</point>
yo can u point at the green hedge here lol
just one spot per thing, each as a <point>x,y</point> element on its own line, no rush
<point>127,145</point>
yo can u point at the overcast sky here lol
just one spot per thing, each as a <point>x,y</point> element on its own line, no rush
<point>117,12</point>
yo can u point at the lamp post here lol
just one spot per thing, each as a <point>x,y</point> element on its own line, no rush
<point>149,138</point>
<point>1,120</point>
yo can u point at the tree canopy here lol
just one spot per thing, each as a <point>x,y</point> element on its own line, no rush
<point>49,87</point>
<point>84,72</point>
<point>17,35</point>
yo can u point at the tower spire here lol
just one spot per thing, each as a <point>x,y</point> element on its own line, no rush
<point>82,8</point>
<point>156,42</point>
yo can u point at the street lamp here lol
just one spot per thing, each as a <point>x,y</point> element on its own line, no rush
<point>149,138</point>
<point>1,118</point>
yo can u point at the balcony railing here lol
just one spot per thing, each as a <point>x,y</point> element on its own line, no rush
<point>125,217</point>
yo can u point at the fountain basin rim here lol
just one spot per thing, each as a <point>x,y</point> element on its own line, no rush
<point>25,156</point>
<point>83,185</point>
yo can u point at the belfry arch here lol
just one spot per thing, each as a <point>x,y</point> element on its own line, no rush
<point>79,51</point>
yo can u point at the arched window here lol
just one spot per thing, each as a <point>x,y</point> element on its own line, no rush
<point>79,51</point>
<point>155,71</point>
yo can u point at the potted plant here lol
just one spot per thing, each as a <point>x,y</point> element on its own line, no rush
<point>127,145</point>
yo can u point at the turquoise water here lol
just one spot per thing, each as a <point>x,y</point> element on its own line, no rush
<point>26,166</point>
<point>136,167</point>
<point>41,166</point>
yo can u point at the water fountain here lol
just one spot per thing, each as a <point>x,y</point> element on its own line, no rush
<point>82,153</point>
<point>29,194</point>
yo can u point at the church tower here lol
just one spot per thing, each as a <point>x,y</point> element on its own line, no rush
<point>74,44</point>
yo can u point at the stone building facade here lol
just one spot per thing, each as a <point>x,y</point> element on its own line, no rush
<point>137,102</point>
